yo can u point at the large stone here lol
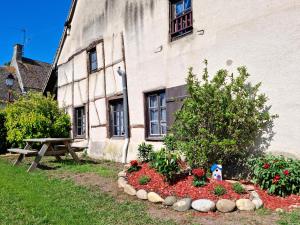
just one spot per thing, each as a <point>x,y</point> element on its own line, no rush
<point>249,187</point>
<point>122,182</point>
<point>155,198</point>
<point>122,174</point>
<point>254,195</point>
<point>170,200</point>
<point>203,205</point>
<point>142,194</point>
<point>128,189</point>
<point>225,205</point>
<point>258,203</point>
<point>245,205</point>
<point>183,205</point>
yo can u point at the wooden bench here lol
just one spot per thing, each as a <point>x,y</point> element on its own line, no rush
<point>22,151</point>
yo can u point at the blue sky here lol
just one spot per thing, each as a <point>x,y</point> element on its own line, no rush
<point>43,21</point>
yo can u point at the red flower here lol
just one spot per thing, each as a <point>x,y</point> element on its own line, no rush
<point>276,179</point>
<point>134,163</point>
<point>286,172</point>
<point>266,166</point>
<point>198,172</point>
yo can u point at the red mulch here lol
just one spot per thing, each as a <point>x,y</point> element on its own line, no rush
<point>184,188</point>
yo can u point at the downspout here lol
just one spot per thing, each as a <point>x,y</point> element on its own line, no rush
<point>126,115</point>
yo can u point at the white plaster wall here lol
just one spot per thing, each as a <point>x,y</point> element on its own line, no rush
<point>264,35</point>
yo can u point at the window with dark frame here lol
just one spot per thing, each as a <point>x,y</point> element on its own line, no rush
<point>93,64</point>
<point>181,18</point>
<point>156,114</point>
<point>117,118</point>
<point>80,122</point>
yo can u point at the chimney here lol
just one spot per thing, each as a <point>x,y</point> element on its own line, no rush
<point>18,52</point>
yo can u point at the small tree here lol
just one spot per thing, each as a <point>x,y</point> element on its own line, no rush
<point>224,118</point>
<point>35,116</point>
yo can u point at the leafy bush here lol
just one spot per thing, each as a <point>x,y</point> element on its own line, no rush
<point>134,166</point>
<point>143,180</point>
<point>278,175</point>
<point>199,177</point>
<point>224,118</point>
<point>238,188</point>
<point>35,116</point>
<point>166,163</point>
<point>145,150</point>
<point>3,133</point>
<point>219,190</point>
<point>170,142</point>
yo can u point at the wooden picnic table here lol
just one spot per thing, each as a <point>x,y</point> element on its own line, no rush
<point>49,148</point>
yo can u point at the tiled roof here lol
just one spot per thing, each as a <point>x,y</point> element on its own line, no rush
<point>4,71</point>
<point>34,73</point>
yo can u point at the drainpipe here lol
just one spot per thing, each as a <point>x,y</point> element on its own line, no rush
<point>126,114</point>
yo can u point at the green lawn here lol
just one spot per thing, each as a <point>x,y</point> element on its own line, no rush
<point>36,199</point>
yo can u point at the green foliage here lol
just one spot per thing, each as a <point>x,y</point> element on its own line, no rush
<point>225,118</point>
<point>219,190</point>
<point>145,150</point>
<point>170,142</point>
<point>238,188</point>
<point>278,175</point>
<point>35,116</point>
<point>143,180</point>
<point>3,133</point>
<point>199,182</point>
<point>166,163</point>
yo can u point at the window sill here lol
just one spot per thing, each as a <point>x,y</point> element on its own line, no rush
<point>155,138</point>
<point>177,37</point>
<point>117,137</point>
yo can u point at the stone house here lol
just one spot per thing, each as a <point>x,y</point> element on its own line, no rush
<point>155,42</point>
<point>29,74</point>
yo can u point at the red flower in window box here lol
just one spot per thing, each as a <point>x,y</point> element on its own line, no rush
<point>266,166</point>
<point>286,172</point>
<point>198,172</point>
<point>134,163</point>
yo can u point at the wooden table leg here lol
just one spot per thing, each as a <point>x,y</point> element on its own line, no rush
<point>58,158</point>
<point>73,154</point>
<point>38,158</point>
<point>22,156</point>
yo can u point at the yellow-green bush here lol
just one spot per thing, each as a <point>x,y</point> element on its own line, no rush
<point>35,116</point>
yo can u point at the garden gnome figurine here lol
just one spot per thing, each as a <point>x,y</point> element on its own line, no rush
<point>216,170</point>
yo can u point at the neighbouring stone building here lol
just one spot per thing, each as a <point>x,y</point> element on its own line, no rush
<point>155,42</point>
<point>29,75</point>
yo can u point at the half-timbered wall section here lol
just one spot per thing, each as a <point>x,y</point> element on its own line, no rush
<point>155,42</point>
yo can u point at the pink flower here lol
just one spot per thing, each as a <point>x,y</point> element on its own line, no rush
<point>134,163</point>
<point>198,172</point>
<point>286,172</point>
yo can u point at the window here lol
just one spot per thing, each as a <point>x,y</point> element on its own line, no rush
<point>181,18</point>
<point>117,118</point>
<point>156,114</point>
<point>79,120</point>
<point>93,64</point>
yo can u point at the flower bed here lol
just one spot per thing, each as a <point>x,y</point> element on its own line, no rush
<point>184,188</point>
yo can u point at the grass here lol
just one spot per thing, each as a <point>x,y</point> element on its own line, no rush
<point>34,198</point>
<point>292,218</point>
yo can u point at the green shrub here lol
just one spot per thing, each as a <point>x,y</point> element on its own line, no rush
<point>145,150</point>
<point>223,118</point>
<point>166,163</point>
<point>143,180</point>
<point>170,142</point>
<point>3,133</point>
<point>35,116</point>
<point>279,175</point>
<point>219,190</point>
<point>238,188</point>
